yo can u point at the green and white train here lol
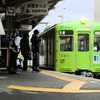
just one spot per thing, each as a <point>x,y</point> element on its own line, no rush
<point>72,47</point>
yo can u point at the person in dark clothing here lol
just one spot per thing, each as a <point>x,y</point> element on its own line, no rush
<point>5,40</point>
<point>35,40</point>
<point>25,49</point>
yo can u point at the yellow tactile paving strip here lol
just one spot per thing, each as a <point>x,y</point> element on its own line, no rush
<point>73,87</point>
<point>75,84</point>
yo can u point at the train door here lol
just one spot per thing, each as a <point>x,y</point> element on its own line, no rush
<point>50,53</point>
<point>47,52</point>
<point>96,51</point>
<point>65,56</point>
<point>83,55</point>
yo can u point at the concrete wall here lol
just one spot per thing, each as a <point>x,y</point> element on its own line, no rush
<point>97,10</point>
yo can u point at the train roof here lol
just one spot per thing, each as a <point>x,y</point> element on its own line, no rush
<point>72,24</point>
<point>47,30</point>
<point>79,23</point>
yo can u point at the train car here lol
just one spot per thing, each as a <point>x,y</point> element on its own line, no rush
<point>72,47</point>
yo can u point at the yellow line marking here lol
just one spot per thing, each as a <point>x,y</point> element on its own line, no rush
<point>73,87</point>
<point>65,78</point>
<point>75,84</point>
<point>50,89</point>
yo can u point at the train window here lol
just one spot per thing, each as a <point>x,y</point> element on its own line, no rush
<point>97,41</point>
<point>66,43</point>
<point>50,47</point>
<point>83,42</point>
<point>42,47</point>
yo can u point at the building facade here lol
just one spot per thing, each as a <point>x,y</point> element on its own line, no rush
<point>97,10</point>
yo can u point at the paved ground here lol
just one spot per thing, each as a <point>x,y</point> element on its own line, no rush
<point>49,81</point>
<point>48,85</point>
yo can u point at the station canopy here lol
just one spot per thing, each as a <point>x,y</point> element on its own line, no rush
<point>32,10</point>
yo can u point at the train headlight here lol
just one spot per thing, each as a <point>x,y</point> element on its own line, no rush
<point>83,20</point>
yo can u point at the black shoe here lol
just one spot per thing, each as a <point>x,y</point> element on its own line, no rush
<point>10,72</point>
<point>24,69</point>
<point>17,73</point>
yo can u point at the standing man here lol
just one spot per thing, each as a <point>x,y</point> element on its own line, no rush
<point>35,49</point>
<point>24,45</point>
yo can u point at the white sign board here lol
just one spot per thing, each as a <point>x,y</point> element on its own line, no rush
<point>26,27</point>
<point>2,32</point>
<point>10,11</point>
<point>36,7</point>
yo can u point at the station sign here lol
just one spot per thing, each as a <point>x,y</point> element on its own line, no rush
<point>10,11</point>
<point>36,7</point>
<point>26,27</point>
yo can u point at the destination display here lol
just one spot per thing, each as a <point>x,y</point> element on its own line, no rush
<point>97,32</point>
<point>66,32</point>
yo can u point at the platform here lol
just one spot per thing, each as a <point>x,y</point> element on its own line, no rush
<point>48,81</point>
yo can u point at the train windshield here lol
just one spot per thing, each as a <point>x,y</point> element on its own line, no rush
<point>97,41</point>
<point>83,42</point>
<point>66,43</point>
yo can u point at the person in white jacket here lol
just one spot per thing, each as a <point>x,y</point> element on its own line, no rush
<point>14,48</point>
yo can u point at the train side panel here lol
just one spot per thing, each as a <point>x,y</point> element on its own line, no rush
<point>73,46</point>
